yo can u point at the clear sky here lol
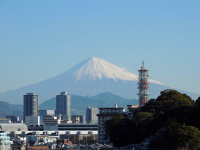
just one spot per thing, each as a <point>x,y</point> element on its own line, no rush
<point>41,38</point>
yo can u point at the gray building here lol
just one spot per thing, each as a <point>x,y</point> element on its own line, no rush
<point>10,127</point>
<point>104,115</point>
<point>43,113</point>
<point>63,104</point>
<point>91,115</point>
<point>30,105</point>
<point>78,119</point>
<point>77,127</point>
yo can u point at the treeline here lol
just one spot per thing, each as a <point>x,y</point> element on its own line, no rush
<point>172,121</point>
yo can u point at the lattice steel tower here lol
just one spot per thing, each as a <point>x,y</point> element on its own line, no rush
<point>143,85</point>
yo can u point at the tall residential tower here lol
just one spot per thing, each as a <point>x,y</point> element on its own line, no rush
<point>63,104</point>
<point>30,105</point>
<point>143,85</point>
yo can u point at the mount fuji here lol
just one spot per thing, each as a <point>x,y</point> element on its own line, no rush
<point>88,78</point>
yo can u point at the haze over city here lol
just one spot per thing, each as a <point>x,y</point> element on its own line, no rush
<point>41,39</point>
<point>106,75</point>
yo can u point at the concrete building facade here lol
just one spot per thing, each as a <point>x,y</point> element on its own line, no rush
<point>78,118</point>
<point>63,105</point>
<point>104,115</point>
<point>91,115</point>
<point>32,120</point>
<point>43,113</point>
<point>30,105</point>
<point>51,122</point>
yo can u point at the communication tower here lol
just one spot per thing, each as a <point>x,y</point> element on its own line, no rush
<point>143,85</point>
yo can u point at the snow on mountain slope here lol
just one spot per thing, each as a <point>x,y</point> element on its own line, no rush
<point>89,77</point>
<point>98,68</point>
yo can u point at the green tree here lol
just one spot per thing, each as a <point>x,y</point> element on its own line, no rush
<point>149,106</point>
<point>119,130</point>
<point>141,116</point>
<point>197,102</point>
<point>176,137</point>
<point>194,115</point>
<point>188,137</point>
<point>172,120</point>
<point>170,100</point>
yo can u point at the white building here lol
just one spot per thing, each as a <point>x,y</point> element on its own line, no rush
<point>91,115</point>
<point>104,115</point>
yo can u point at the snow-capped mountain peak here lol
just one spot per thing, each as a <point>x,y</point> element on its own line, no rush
<point>99,68</point>
<point>90,77</point>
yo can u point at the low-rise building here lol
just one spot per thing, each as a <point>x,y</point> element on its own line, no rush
<point>78,119</point>
<point>9,127</point>
<point>131,110</point>
<point>13,118</point>
<point>75,119</point>
<point>4,140</point>
<point>32,120</point>
<point>75,127</point>
<point>36,128</point>
<point>5,120</point>
<point>51,122</point>
<point>43,113</point>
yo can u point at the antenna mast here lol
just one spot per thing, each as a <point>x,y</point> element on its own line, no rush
<point>143,85</point>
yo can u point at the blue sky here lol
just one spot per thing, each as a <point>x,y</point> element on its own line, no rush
<point>40,39</point>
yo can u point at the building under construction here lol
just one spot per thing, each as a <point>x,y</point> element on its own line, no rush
<point>143,85</point>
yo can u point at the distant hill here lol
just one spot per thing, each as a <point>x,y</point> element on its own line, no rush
<point>10,109</point>
<point>90,77</point>
<point>80,103</point>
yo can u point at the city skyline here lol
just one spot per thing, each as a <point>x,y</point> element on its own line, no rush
<point>40,40</point>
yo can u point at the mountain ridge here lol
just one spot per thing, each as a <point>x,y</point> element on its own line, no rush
<point>80,103</point>
<point>89,77</point>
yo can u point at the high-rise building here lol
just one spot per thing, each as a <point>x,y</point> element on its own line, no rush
<point>63,104</point>
<point>91,115</point>
<point>30,105</point>
<point>143,85</point>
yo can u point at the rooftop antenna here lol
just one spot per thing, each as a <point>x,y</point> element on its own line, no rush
<point>143,65</point>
